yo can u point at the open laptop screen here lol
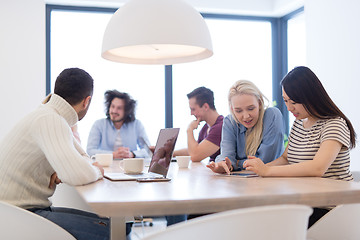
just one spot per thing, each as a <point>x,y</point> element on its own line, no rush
<point>164,149</point>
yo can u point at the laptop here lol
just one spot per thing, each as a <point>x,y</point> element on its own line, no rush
<point>160,160</point>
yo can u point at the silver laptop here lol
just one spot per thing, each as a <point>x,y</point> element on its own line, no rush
<point>160,160</point>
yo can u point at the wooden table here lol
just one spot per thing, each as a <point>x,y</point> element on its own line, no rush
<point>198,190</point>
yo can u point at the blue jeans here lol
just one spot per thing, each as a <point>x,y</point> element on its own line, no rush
<point>82,225</point>
<point>173,219</point>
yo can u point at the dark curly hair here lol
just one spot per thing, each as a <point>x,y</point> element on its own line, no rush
<point>130,104</point>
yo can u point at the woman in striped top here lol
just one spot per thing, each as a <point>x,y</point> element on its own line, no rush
<point>320,139</point>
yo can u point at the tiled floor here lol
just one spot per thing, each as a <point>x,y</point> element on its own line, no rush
<point>139,231</point>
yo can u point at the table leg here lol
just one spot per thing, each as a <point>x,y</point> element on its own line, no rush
<point>117,228</point>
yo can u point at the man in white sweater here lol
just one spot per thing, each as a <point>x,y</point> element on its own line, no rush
<point>40,151</point>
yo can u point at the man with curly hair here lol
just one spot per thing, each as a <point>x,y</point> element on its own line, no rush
<point>120,133</point>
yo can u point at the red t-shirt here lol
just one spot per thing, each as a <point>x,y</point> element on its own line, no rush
<point>214,135</point>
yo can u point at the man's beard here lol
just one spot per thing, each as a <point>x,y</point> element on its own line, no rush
<point>114,121</point>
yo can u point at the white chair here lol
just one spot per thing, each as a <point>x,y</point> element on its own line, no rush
<point>17,224</point>
<point>280,222</point>
<point>356,175</point>
<point>66,196</point>
<point>342,222</point>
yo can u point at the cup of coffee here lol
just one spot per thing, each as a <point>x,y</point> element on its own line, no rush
<point>132,165</point>
<point>104,159</point>
<point>183,161</point>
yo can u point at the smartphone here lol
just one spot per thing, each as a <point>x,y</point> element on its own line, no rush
<point>153,180</point>
<point>246,175</point>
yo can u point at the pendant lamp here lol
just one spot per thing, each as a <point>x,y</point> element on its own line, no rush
<point>156,32</point>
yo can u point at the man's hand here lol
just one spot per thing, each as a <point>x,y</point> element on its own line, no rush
<point>123,152</point>
<point>152,148</point>
<point>193,125</point>
<point>96,164</point>
<point>54,180</point>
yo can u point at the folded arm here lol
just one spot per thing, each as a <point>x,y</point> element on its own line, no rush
<point>326,154</point>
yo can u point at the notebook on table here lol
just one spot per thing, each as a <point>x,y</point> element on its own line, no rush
<point>160,160</point>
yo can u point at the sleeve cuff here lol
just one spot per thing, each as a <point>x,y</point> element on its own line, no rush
<point>99,174</point>
<point>239,165</point>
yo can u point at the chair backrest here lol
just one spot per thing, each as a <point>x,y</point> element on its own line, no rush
<point>356,175</point>
<point>66,196</point>
<point>342,222</point>
<point>17,223</point>
<point>280,222</point>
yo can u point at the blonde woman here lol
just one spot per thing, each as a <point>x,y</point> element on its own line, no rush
<point>250,130</point>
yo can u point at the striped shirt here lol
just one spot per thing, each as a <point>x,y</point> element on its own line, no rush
<point>305,142</point>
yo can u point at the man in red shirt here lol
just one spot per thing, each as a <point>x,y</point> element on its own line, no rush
<point>201,103</point>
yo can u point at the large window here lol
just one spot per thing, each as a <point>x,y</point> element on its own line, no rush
<point>296,41</point>
<point>243,49</point>
<point>76,40</point>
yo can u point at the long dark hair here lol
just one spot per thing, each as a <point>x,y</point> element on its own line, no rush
<point>303,86</point>
<point>130,104</point>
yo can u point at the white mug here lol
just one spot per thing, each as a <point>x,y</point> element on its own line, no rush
<point>104,159</point>
<point>132,165</point>
<point>183,161</point>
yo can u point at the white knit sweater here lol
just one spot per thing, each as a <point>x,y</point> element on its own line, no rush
<point>39,145</point>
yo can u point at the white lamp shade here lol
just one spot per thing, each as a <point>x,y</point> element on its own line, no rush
<point>156,32</point>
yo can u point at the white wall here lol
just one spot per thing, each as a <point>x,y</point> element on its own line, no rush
<point>333,53</point>
<point>22,59</point>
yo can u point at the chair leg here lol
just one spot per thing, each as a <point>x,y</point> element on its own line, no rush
<point>142,220</point>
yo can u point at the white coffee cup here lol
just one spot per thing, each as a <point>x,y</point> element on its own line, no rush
<point>183,161</point>
<point>132,165</point>
<point>104,159</point>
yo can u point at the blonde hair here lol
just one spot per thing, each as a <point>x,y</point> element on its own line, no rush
<point>254,135</point>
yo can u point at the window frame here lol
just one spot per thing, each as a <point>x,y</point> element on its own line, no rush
<point>279,54</point>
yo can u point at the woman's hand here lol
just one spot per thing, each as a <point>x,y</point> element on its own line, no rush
<point>256,165</point>
<point>220,167</point>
